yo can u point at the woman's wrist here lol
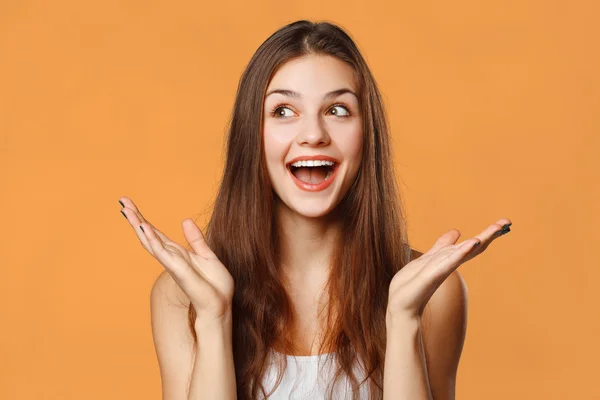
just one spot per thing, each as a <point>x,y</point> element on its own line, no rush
<point>396,322</point>
<point>207,325</point>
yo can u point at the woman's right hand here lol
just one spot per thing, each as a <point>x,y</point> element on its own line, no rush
<point>199,273</point>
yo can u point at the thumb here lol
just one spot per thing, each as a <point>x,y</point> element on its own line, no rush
<point>195,238</point>
<point>446,239</point>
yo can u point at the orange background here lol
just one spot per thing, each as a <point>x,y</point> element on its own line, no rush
<point>494,113</point>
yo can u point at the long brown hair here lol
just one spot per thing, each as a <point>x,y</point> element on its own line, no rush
<point>243,232</point>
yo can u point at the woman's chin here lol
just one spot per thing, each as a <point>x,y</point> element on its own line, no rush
<point>316,212</point>
<point>316,208</point>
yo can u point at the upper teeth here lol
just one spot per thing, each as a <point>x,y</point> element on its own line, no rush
<point>312,163</point>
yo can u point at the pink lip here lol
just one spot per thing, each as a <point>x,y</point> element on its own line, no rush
<point>319,186</point>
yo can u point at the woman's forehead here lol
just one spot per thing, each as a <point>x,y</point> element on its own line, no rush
<point>313,76</point>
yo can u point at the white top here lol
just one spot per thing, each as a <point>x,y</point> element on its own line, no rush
<point>302,381</point>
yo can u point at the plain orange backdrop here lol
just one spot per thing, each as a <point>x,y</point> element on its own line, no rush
<point>494,112</point>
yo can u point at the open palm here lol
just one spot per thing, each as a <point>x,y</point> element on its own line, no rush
<point>412,286</point>
<point>199,273</point>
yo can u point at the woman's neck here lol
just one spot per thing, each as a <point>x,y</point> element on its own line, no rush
<point>306,243</point>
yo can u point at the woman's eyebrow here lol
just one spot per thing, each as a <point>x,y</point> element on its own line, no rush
<point>291,93</point>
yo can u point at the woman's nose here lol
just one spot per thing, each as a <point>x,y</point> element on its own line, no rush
<point>313,133</point>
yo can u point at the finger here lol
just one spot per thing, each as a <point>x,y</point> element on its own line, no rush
<point>482,241</point>
<point>492,232</point>
<point>181,271</point>
<point>135,223</point>
<point>458,256</point>
<point>467,245</point>
<point>159,249</point>
<point>136,219</point>
<point>448,238</point>
<point>156,245</point>
<point>195,238</point>
<point>451,237</point>
<point>127,202</point>
<point>449,259</point>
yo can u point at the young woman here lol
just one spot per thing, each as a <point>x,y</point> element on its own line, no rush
<point>306,256</point>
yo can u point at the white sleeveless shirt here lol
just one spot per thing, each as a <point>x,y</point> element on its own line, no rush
<point>302,380</point>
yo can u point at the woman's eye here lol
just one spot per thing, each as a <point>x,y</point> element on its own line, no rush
<point>345,110</point>
<point>277,112</point>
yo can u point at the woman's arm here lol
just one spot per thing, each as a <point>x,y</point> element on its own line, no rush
<point>422,356</point>
<point>405,370</point>
<point>405,367</point>
<point>213,376</point>
<point>173,340</point>
<point>206,372</point>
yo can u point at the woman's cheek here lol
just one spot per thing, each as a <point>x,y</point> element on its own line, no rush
<point>275,153</point>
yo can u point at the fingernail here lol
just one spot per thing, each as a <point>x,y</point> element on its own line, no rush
<point>123,214</point>
<point>506,226</point>
<point>142,229</point>
<point>504,231</point>
<point>122,205</point>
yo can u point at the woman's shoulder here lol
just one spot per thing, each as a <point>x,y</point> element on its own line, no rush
<point>165,286</point>
<point>415,254</point>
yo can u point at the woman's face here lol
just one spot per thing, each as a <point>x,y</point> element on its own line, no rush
<point>312,119</point>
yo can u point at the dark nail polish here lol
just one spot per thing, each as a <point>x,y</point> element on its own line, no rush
<point>506,226</point>
<point>142,229</point>
<point>123,214</point>
<point>122,205</point>
<point>505,231</point>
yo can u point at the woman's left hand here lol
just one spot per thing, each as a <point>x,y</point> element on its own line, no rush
<point>412,286</point>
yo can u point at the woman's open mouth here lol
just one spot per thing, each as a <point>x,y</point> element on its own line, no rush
<point>311,177</point>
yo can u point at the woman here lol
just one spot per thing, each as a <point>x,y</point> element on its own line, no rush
<point>308,225</point>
